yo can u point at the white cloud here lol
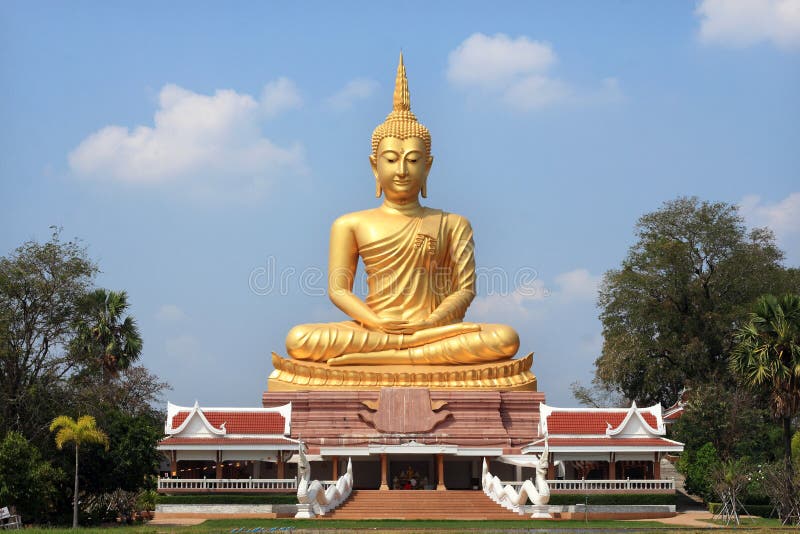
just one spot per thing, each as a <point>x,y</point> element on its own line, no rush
<point>353,91</point>
<point>747,22</point>
<point>578,284</point>
<point>535,92</point>
<point>279,96</point>
<point>534,298</point>
<point>516,70</point>
<point>783,217</point>
<point>211,143</point>
<point>497,60</point>
<point>169,313</point>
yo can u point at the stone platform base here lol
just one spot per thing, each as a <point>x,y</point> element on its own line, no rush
<point>508,375</point>
<point>502,420</point>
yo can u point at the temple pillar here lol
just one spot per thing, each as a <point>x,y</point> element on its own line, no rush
<point>440,472</point>
<point>219,465</point>
<point>281,466</point>
<point>551,469</point>
<point>335,472</point>
<point>173,463</point>
<point>656,467</point>
<point>384,468</point>
<point>518,472</point>
<point>612,466</point>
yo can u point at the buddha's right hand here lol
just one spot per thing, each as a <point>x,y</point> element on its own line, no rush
<point>436,333</point>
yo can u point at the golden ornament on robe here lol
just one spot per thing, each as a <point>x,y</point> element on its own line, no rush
<point>421,279</point>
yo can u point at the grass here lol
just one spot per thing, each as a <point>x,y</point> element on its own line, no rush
<point>320,525</point>
<point>226,526</point>
<point>753,522</point>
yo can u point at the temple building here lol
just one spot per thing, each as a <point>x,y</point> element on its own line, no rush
<point>394,436</point>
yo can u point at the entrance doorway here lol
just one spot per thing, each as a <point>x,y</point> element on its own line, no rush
<point>411,474</point>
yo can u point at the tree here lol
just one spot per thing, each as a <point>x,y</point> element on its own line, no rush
<point>767,357</point>
<point>40,285</point>
<point>26,480</point>
<point>82,431</point>
<point>132,460</point>
<point>670,312</point>
<point>698,466</point>
<point>732,419</point>
<point>105,338</point>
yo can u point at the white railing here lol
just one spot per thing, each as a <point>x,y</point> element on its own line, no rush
<point>227,484</point>
<point>609,485</point>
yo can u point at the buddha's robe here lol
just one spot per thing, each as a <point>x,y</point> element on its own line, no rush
<point>426,270</point>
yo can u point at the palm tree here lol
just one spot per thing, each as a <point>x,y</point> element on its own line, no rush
<point>84,430</point>
<point>767,355</point>
<point>104,336</point>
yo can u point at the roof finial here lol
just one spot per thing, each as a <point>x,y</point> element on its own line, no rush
<point>402,100</point>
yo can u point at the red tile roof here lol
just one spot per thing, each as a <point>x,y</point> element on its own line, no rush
<point>589,422</point>
<point>239,422</point>
<point>613,442</point>
<point>227,441</point>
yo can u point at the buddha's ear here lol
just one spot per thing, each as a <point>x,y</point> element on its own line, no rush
<point>424,189</point>
<point>373,161</point>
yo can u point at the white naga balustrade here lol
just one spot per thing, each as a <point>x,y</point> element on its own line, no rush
<point>318,498</point>
<point>611,485</point>
<point>515,496</point>
<point>227,484</point>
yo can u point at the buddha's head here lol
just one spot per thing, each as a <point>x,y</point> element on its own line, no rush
<point>401,148</point>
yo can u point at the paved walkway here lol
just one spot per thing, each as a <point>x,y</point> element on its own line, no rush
<point>177,521</point>
<point>687,519</point>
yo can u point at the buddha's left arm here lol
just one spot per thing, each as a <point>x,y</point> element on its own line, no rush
<point>462,253</point>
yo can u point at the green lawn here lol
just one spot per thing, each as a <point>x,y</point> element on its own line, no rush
<point>227,526</point>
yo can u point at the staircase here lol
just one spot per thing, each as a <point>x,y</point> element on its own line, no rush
<point>420,504</point>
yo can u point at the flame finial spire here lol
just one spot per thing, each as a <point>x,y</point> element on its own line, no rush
<point>401,122</point>
<point>402,100</point>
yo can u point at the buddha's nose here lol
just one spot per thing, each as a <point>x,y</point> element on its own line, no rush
<point>402,169</point>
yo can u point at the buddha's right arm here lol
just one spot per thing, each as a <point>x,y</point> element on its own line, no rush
<point>342,262</point>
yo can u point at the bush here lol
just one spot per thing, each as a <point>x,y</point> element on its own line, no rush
<point>146,501</point>
<point>613,498</point>
<point>229,498</point>
<point>27,481</point>
<point>697,467</point>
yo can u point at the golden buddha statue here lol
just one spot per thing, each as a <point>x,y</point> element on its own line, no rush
<point>420,269</point>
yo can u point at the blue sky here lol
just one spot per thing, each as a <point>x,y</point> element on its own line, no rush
<point>196,147</point>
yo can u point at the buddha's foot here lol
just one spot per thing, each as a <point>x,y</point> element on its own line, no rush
<point>381,357</point>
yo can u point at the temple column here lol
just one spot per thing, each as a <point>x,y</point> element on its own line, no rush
<point>656,467</point>
<point>612,466</point>
<point>281,466</point>
<point>518,472</point>
<point>335,472</point>
<point>173,463</point>
<point>440,472</point>
<point>384,467</point>
<point>551,469</point>
<point>219,465</point>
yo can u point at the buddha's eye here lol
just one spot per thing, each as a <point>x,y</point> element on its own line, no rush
<point>391,160</point>
<point>412,160</point>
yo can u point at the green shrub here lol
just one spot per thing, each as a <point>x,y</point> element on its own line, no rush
<point>229,498</point>
<point>613,498</point>
<point>697,467</point>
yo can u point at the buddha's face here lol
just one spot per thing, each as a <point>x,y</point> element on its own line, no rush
<point>401,168</point>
